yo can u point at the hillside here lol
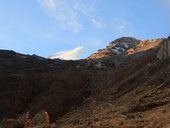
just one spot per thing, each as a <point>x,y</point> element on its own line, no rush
<point>125,85</point>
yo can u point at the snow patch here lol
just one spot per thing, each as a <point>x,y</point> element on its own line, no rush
<point>126,45</point>
<point>116,51</point>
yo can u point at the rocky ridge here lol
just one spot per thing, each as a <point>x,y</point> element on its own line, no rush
<point>126,46</point>
<point>115,49</point>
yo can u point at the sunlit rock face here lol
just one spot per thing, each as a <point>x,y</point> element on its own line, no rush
<point>116,48</point>
<point>125,48</point>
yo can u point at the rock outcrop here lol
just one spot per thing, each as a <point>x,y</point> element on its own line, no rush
<point>115,49</point>
<point>164,49</point>
<point>120,49</point>
<point>10,123</point>
<point>39,120</point>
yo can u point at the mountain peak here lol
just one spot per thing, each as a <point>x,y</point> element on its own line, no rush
<point>124,39</point>
<point>124,46</point>
<point>115,48</point>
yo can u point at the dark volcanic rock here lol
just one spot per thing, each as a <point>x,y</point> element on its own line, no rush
<point>11,123</point>
<point>41,119</point>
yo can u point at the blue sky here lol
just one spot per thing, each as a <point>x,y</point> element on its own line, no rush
<point>78,27</point>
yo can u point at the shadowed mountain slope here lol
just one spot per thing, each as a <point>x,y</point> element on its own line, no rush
<point>125,85</point>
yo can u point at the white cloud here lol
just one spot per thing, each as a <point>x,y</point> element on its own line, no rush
<point>68,13</point>
<point>88,10</point>
<point>67,54</point>
<point>64,14</point>
<point>98,24</point>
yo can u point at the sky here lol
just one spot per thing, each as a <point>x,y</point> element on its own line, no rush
<point>74,29</point>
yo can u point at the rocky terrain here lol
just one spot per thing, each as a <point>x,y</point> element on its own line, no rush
<point>125,85</point>
<point>115,49</point>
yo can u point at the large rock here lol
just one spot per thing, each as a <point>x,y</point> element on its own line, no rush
<point>41,119</point>
<point>25,119</point>
<point>11,123</point>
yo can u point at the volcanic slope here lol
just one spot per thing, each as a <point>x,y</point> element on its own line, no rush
<point>127,88</point>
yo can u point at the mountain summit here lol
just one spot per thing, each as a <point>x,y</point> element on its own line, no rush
<point>116,48</point>
<point>125,46</point>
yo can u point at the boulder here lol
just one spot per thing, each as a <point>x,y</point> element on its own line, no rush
<point>25,119</point>
<point>11,123</point>
<point>41,119</point>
